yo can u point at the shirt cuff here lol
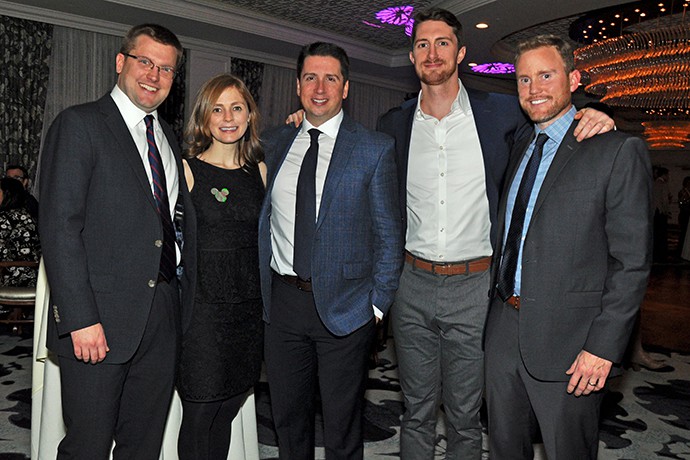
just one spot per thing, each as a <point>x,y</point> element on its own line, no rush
<point>378,313</point>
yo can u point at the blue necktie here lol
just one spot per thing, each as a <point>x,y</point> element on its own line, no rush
<point>305,209</point>
<point>160,193</point>
<point>505,284</point>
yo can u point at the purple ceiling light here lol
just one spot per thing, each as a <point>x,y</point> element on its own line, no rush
<point>494,68</point>
<point>396,15</point>
<point>371,24</point>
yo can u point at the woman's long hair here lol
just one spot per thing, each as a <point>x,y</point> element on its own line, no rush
<point>198,134</point>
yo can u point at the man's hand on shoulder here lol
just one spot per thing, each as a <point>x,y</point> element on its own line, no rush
<point>592,122</point>
<point>588,373</point>
<point>89,343</point>
<point>295,118</point>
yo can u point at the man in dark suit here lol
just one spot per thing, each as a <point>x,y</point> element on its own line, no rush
<point>570,271</point>
<point>452,148</point>
<point>111,179</point>
<point>330,248</point>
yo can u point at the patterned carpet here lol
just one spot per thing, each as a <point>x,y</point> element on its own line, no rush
<point>646,414</point>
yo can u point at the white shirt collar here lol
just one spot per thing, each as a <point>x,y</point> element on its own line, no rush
<point>130,112</point>
<point>329,128</point>
<point>461,102</point>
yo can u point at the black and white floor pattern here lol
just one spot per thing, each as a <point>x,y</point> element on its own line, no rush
<point>646,415</point>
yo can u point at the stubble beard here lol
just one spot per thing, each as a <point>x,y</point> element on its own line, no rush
<point>435,77</point>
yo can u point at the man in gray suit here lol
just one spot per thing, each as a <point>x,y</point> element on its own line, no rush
<point>111,181</point>
<point>330,248</point>
<point>570,269</point>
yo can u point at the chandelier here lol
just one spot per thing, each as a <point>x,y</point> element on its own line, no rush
<point>646,69</point>
<point>667,134</point>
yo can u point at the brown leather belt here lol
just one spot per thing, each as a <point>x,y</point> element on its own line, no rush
<point>449,268</point>
<point>296,281</point>
<point>514,301</point>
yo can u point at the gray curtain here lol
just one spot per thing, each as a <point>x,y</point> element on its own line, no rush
<point>365,102</point>
<point>24,51</point>
<point>251,73</point>
<point>82,69</point>
<point>278,96</point>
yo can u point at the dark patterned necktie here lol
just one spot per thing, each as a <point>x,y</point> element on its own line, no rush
<point>305,209</point>
<point>506,273</point>
<point>160,193</point>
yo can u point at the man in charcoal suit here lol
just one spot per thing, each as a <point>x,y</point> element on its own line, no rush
<point>570,270</point>
<point>112,179</point>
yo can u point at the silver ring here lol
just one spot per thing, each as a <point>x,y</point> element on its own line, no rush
<point>593,384</point>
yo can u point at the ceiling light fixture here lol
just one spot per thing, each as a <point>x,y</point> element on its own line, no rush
<point>667,134</point>
<point>482,25</point>
<point>647,69</point>
<point>494,68</point>
<point>398,16</point>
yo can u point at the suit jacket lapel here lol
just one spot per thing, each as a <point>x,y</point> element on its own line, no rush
<point>282,147</point>
<point>565,152</point>
<point>408,118</point>
<point>342,150</point>
<point>127,147</point>
<point>518,152</point>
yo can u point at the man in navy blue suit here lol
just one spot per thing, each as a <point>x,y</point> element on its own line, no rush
<point>330,248</point>
<point>452,150</point>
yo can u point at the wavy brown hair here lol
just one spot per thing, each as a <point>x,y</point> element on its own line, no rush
<point>198,134</point>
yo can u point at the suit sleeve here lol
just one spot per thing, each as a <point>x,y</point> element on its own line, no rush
<point>65,178</point>
<point>388,243</point>
<point>628,232</point>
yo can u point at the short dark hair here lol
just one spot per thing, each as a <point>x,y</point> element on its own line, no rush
<point>438,14</point>
<point>157,33</point>
<point>324,49</point>
<point>13,194</point>
<point>562,46</point>
<point>25,172</point>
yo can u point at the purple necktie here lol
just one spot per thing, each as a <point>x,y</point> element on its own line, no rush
<point>160,193</point>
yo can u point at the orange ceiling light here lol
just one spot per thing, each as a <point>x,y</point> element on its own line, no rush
<point>667,134</point>
<point>648,69</point>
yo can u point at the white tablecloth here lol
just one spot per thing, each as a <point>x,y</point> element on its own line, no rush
<point>47,428</point>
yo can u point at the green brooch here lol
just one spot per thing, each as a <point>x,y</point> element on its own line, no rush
<point>221,195</point>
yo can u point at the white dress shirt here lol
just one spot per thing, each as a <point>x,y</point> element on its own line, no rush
<point>284,193</point>
<point>447,207</point>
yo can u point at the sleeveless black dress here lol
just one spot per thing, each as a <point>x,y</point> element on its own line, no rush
<point>222,348</point>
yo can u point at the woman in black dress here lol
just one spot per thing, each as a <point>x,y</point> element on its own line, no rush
<point>221,345</point>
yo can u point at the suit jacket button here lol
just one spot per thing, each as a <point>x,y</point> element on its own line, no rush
<point>152,283</point>
<point>158,243</point>
<point>56,314</point>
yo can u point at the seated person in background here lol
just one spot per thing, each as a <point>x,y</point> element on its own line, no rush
<point>20,173</point>
<point>18,238</point>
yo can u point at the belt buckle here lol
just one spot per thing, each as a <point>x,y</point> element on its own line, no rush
<point>435,265</point>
